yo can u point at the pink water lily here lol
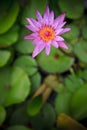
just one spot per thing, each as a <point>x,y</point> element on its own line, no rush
<point>47,31</point>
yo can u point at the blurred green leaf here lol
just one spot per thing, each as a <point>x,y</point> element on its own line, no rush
<point>82,74</point>
<point>48,120</point>
<point>80,51</point>
<point>14,86</point>
<point>73,34</point>
<point>4,57</point>
<point>54,129</point>
<point>84,32</point>
<point>34,106</point>
<point>54,6</point>
<point>4,6</point>
<point>56,62</point>
<point>9,19</point>
<point>19,87</point>
<point>19,116</point>
<point>73,82</point>
<point>2,114</point>
<point>73,9</point>
<point>4,83</point>
<point>79,103</point>
<point>62,103</point>
<point>9,37</point>
<point>60,88</point>
<point>36,122</point>
<point>31,8</point>
<point>35,82</point>
<point>49,116</point>
<point>18,127</point>
<point>24,46</point>
<point>27,63</point>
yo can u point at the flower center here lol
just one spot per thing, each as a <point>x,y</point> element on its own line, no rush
<point>47,33</point>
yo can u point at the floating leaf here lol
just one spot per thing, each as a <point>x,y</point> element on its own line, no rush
<point>84,32</point>
<point>9,19</point>
<point>17,127</point>
<point>4,57</point>
<point>49,116</point>
<point>19,116</point>
<point>48,120</point>
<point>27,63</point>
<point>73,82</point>
<point>36,122</point>
<point>34,106</point>
<point>79,103</point>
<point>14,86</point>
<point>60,88</point>
<point>73,34</point>
<point>62,103</point>
<point>35,82</point>
<point>24,46</point>
<point>54,6</point>
<point>82,74</point>
<point>56,62</point>
<point>9,37</point>
<point>81,51</point>
<point>73,9</point>
<point>4,83</point>
<point>54,129</point>
<point>2,115</point>
<point>19,87</point>
<point>31,8</point>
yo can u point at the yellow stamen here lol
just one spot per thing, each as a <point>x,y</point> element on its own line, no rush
<point>47,33</point>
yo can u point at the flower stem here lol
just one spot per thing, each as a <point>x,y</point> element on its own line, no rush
<point>40,90</point>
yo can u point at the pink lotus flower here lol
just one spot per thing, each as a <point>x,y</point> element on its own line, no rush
<point>46,31</point>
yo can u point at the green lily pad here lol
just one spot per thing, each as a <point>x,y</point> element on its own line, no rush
<point>49,115</point>
<point>4,57</point>
<point>4,7</point>
<point>73,82</point>
<point>18,127</point>
<point>82,74</point>
<point>54,6</point>
<point>48,120</point>
<point>9,18</point>
<point>73,33</point>
<point>24,46</point>
<point>34,106</point>
<point>54,129</point>
<point>60,88</point>
<point>35,82</point>
<point>79,103</point>
<point>80,51</point>
<point>31,8</point>
<point>27,63</point>
<point>62,103</point>
<point>9,37</point>
<point>20,87</point>
<point>84,32</point>
<point>14,86</point>
<point>73,9</point>
<point>56,62</point>
<point>19,116</point>
<point>2,114</point>
<point>4,83</point>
